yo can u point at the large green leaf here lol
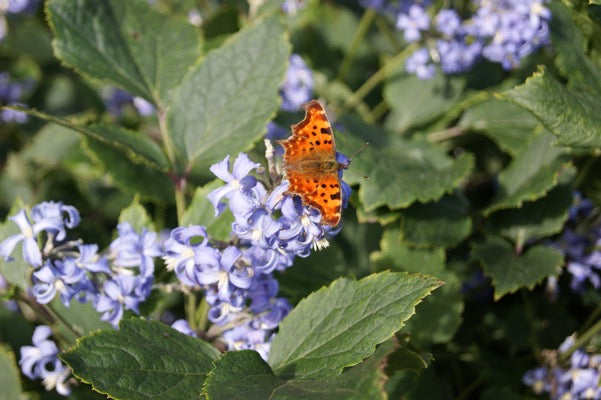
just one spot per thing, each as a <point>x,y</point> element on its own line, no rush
<point>142,360</point>
<point>414,101</point>
<point>243,374</point>
<point>406,171</point>
<point>201,212</point>
<point>510,126</point>
<point>339,326</point>
<point>126,42</point>
<point>82,318</point>
<point>442,223</point>
<point>223,105</point>
<point>531,174</point>
<point>10,380</point>
<point>571,115</point>
<point>534,220</point>
<point>438,317</point>
<point>511,271</point>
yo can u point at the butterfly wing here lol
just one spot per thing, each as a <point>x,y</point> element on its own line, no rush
<point>312,138</point>
<point>321,191</point>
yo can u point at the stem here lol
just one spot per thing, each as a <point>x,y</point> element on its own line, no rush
<point>180,200</point>
<point>378,111</point>
<point>453,113</point>
<point>468,391</point>
<point>189,308</point>
<point>445,134</point>
<point>48,308</point>
<point>364,24</point>
<point>202,315</point>
<point>377,78</point>
<point>591,318</point>
<point>581,340</point>
<point>530,316</point>
<point>383,26</point>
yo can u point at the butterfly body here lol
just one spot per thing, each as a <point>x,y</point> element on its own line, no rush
<point>310,164</point>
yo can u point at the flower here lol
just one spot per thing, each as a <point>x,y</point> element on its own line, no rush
<point>420,64</point>
<point>181,325</point>
<point>41,361</point>
<point>122,292</point>
<point>413,22</point>
<point>131,249</point>
<point>298,86</point>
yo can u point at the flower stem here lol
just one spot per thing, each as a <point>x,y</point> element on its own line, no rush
<point>362,28</point>
<point>377,78</point>
<point>581,340</point>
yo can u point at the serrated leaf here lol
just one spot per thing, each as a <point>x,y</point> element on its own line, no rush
<point>438,317</point>
<point>135,214</point>
<point>201,212</point>
<point>309,274</point>
<point>17,272</point>
<point>128,43</point>
<point>10,380</point>
<point>531,174</point>
<point>572,116</point>
<point>415,101</point>
<point>340,325</point>
<point>509,126</point>
<point>407,171</point>
<point>510,271</point>
<point>243,374</point>
<point>224,104</point>
<point>534,220</point>
<point>444,223</point>
<point>142,360</point>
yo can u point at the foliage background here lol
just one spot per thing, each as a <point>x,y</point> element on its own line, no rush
<point>464,174</point>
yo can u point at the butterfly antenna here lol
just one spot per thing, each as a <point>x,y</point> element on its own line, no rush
<point>359,150</point>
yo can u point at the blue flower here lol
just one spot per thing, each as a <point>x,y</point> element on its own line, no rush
<point>298,86</point>
<point>413,22</point>
<point>236,181</point>
<point>122,292</point>
<point>131,249</point>
<point>420,64</point>
<point>40,361</point>
<point>293,6</point>
<point>62,276</point>
<point>181,325</point>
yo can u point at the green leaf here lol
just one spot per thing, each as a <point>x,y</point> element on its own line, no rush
<point>81,317</point>
<point>126,42</point>
<point>17,272</point>
<point>138,148</point>
<point>224,104</point>
<point>531,174</point>
<point>135,214</point>
<point>130,177</point>
<point>201,212</point>
<point>571,115</point>
<point>414,102</point>
<point>438,317</point>
<point>243,374</point>
<point>407,171</point>
<point>142,360</point>
<point>510,271</point>
<point>570,46</point>
<point>309,274</point>
<point>340,325</point>
<point>509,126</point>
<point>10,379</point>
<point>534,220</point>
<point>444,223</point>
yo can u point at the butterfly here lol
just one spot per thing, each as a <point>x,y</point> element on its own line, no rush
<point>310,164</point>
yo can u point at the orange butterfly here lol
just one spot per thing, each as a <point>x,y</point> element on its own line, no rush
<point>311,166</point>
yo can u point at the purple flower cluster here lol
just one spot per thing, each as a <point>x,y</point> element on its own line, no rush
<point>269,230</point>
<point>41,361</point>
<point>72,269</point>
<point>11,93</point>
<point>579,380</point>
<point>298,86</point>
<point>580,242</point>
<point>502,31</point>
<point>116,99</point>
